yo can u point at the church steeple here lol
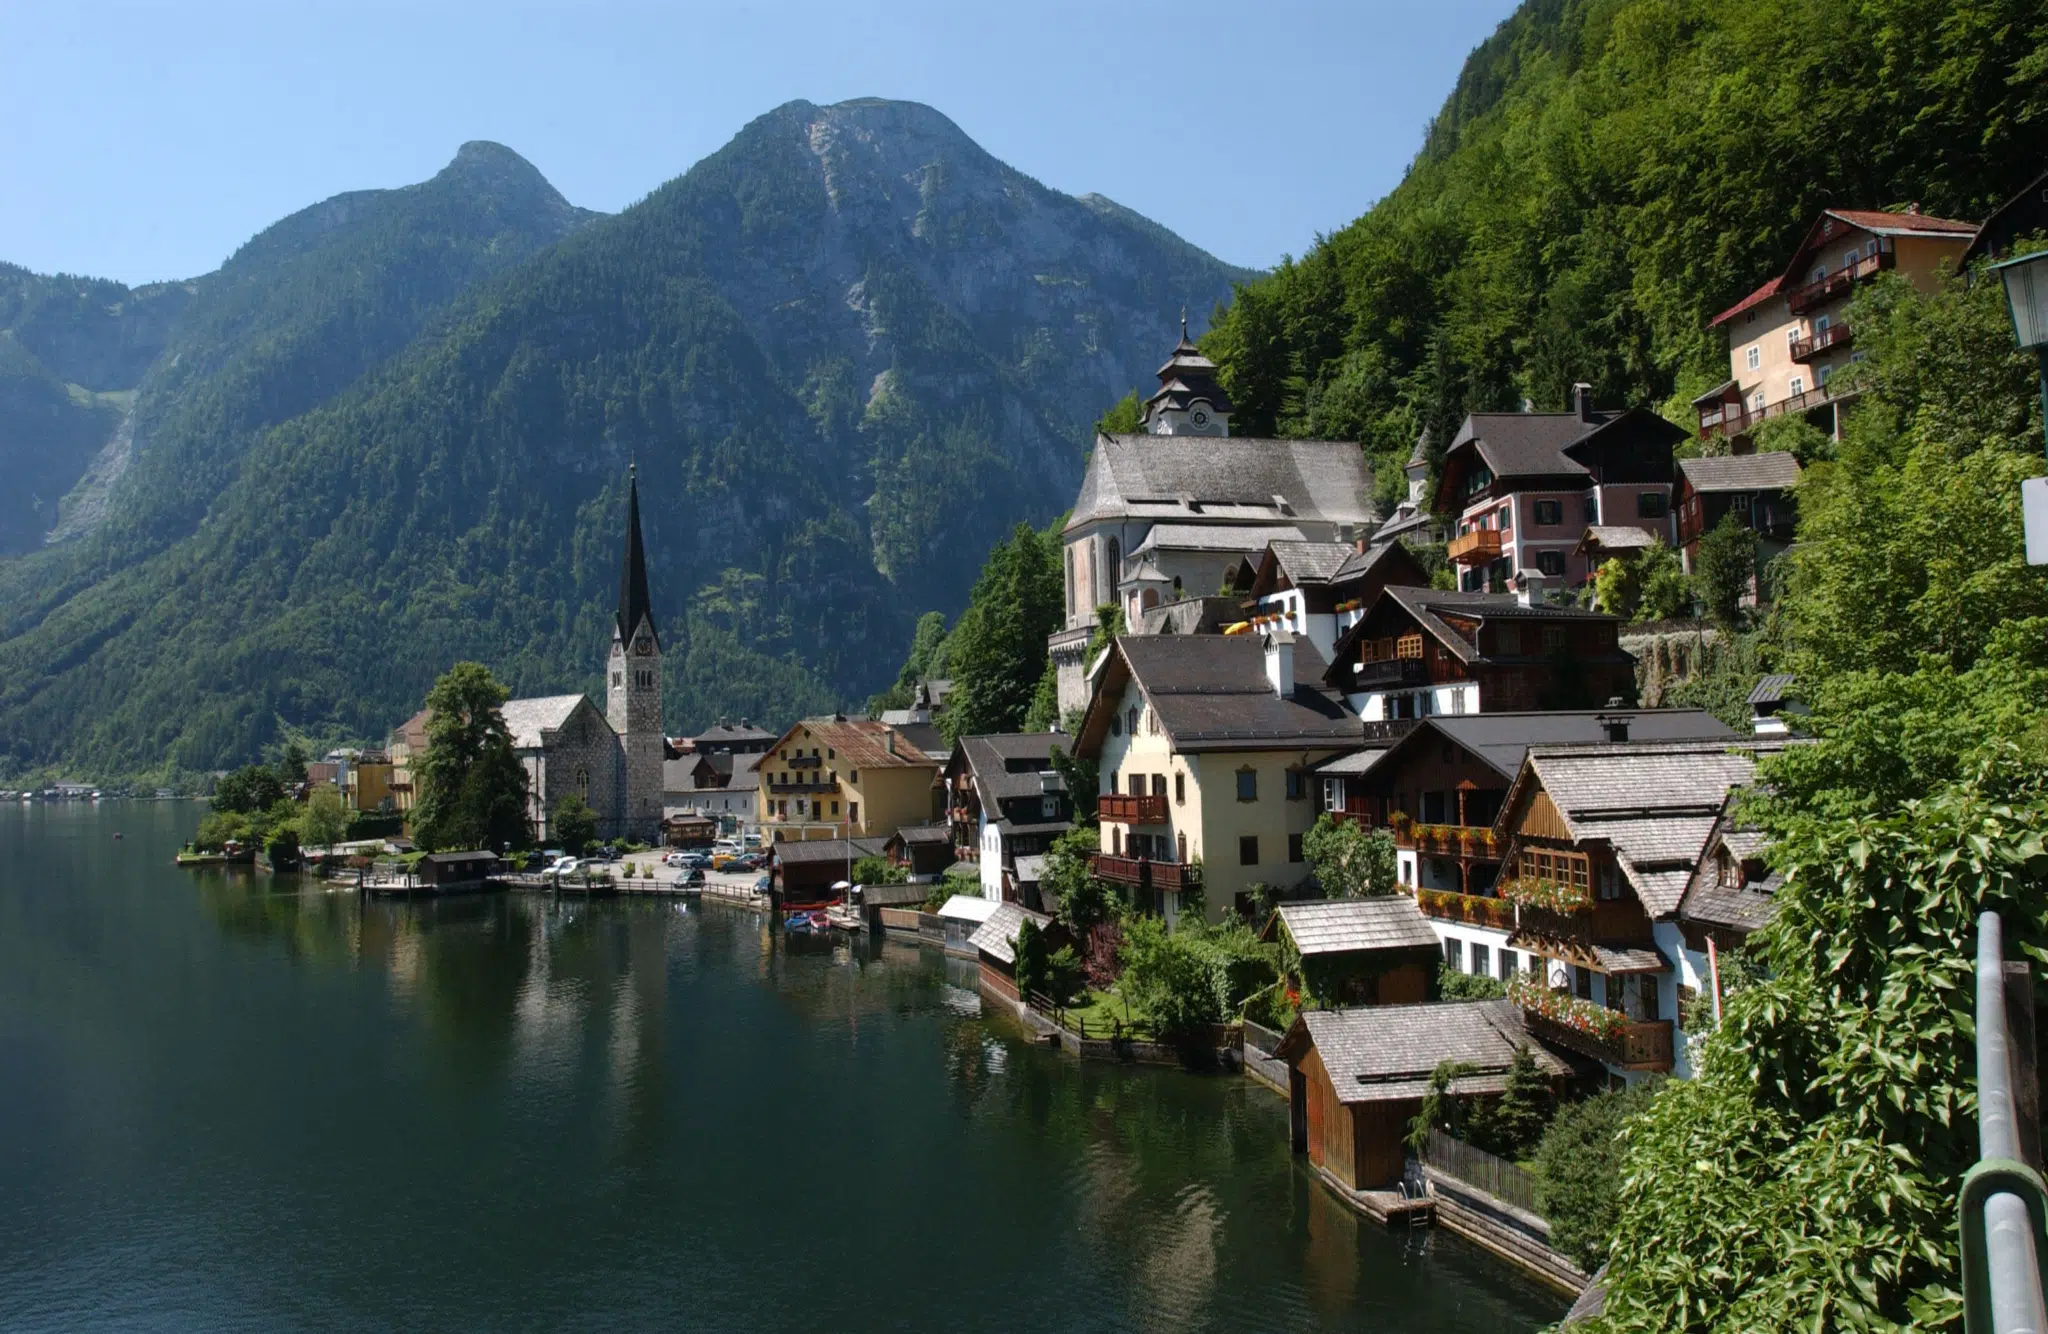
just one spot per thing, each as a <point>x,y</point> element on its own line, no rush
<point>634,604</point>
<point>1189,401</point>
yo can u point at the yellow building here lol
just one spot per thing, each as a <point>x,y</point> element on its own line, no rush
<point>368,786</point>
<point>407,746</point>
<point>845,778</point>
<point>1788,339</point>
<point>1204,744</point>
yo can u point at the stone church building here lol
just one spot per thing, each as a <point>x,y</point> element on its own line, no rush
<point>1169,513</point>
<point>613,759</point>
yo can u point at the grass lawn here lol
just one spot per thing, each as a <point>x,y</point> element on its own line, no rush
<point>1102,1010</point>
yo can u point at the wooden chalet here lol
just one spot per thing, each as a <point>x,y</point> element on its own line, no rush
<point>1318,589</point>
<point>1357,1077</point>
<point>1371,951</point>
<point>924,850</point>
<point>688,829</point>
<point>1419,652</point>
<point>1758,489</point>
<point>1601,843</point>
<point>805,870</point>
<point>995,943</point>
<point>449,872</point>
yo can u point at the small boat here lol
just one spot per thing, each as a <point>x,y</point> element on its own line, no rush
<point>821,920</point>
<point>797,921</point>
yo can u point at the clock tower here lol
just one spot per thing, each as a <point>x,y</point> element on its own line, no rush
<point>1189,401</point>
<point>633,694</point>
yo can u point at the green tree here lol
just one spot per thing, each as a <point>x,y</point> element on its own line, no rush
<point>1724,569</point>
<point>472,789</point>
<point>1512,1125</point>
<point>1126,416</point>
<point>1165,979</point>
<point>1453,985</point>
<point>1349,860</point>
<point>291,764</point>
<point>996,651</point>
<point>1621,583</point>
<point>1031,960</point>
<point>1578,1170</point>
<point>879,871</point>
<point>575,825</point>
<point>249,789</point>
<point>1082,899</point>
<point>324,822</point>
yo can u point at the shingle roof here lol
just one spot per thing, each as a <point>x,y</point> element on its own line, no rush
<point>1346,926</point>
<point>798,852</point>
<point>526,719</point>
<point>1215,537</point>
<point>1619,537</point>
<point>746,774</point>
<point>989,759</point>
<point>1655,805</point>
<point>1311,562</point>
<point>997,937</point>
<point>1030,870</point>
<point>1224,477</point>
<point>1902,224</point>
<point>905,895</point>
<point>1359,563</point>
<point>1501,740</point>
<point>1773,471</point>
<point>1772,689</point>
<point>1386,1053</point>
<point>724,734</point>
<point>1425,605</point>
<point>915,835</point>
<point>860,743</point>
<point>1211,693</point>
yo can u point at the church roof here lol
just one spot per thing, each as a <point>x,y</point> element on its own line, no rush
<point>634,604</point>
<point>1224,480</point>
<point>526,719</point>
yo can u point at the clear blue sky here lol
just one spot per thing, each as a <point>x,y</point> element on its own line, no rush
<point>147,141</point>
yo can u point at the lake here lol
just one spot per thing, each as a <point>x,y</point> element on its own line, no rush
<point>235,1102</point>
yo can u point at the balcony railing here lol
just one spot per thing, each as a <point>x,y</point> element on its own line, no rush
<point>1477,547</point>
<point>1449,840</point>
<point>1146,872</point>
<point>1130,808</point>
<point>1448,906</point>
<point>1837,282</point>
<point>1734,419</point>
<point>1637,1045</point>
<point>804,761</point>
<point>1619,922</point>
<point>1389,672</point>
<point>806,785</point>
<point>1823,340</point>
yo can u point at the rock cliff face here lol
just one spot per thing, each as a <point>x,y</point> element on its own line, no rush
<point>848,351</point>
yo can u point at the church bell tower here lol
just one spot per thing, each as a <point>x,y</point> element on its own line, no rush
<point>633,696</point>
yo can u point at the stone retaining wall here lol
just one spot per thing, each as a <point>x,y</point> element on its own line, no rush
<point>1515,1235</point>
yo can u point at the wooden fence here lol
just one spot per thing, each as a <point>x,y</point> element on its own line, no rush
<point>1476,1167</point>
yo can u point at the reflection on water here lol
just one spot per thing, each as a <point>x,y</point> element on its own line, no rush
<point>278,1106</point>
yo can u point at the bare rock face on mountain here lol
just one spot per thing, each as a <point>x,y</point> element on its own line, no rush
<point>848,352</point>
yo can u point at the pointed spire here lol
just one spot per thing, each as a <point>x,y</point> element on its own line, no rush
<point>1183,321</point>
<point>634,604</point>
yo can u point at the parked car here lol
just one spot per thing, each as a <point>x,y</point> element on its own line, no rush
<point>564,867</point>
<point>764,884</point>
<point>696,859</point>
<point>551,856</point>
<point>693,876</point>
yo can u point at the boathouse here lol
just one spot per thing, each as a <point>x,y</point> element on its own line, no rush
<point>449,872</point>
<point>995,940</point>
<point>805,871</point>
<point>1357,1077</point>
<point>1371,951</point>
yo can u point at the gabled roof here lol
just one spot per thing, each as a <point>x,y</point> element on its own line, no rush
<point>1773,471</point>
<point>1349,926</point>
<point>1387,1053</point>
<point>1210,692</point>
<point>1653,804</point>
<point>1616,537</point>
<point>1759,296</point>
<point>1428,606</point>
<point>1531,446</point>
<point>1359,564</point>
<point>989,761</point>
<point>1502,740</point>
<point>1310,562</point>
<point>997,937</point>
<point>724,734</point>
<point>858,743</point>
<point>1228,479</point>
<point>526,719</point>
<point>1990,235</point>
<point>1739,908</point>
<point>923,835</point>
<point>804,852</point>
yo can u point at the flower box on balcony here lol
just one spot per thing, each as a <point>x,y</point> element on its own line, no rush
<point>1549,895</point>
<point>1449,906</point>
<point>1595,1021</point>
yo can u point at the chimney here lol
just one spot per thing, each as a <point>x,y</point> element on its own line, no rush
<point>1280,662</point>
<point>1615,724</point>
<point>1582,400</point>
<point>1529,589</point>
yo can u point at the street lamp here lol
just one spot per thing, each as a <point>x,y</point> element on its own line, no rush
<point>2026,299</point>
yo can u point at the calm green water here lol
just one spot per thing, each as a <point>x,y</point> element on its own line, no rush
<point>232,1103</point>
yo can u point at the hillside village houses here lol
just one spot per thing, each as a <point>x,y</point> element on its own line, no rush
<point>840,778</point>
<point>1788,339</point>
<point>1174,510</point>
<point>1005,805</point>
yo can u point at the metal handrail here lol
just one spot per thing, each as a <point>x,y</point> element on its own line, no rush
<point>2003,1204</point>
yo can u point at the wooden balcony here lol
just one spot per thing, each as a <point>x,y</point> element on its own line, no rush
<point>803,761</point>
<point>1478,547</point>
<point>1473,908</point>
<point>1644,1045</point>
<point>1823,340</point>
<point>803,785</point>
<point>1130,808</point>
<point>1612,922</point>
<point>1837,282</point>
<point>1388,673</point>
<point>1733,419</point>
<point>1144,872</point>
<point>1448,840</point>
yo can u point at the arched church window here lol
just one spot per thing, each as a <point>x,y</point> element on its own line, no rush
<point>1116,561</point>
<point>1070,581</point>
<point>583,780</point>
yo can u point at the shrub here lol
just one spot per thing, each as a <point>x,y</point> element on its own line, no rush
<point>1031,966</point>
<point>1349,860</point>
<point>1578,1173</point>
<point>879,871</point>
<point>1453,985</point>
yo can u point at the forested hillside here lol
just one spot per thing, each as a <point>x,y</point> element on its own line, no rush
<point>1607,175</point>
<point>843,351</point>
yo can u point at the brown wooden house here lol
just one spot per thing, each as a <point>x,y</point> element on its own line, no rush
<point>1357,1077</point>
<point>1421,652</point>
<point>1756,488</point>
<point>995,941</point>
<point>1371,951</point>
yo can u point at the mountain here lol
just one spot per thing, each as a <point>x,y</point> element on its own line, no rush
<point>847,352</point>
<point>1604,177</point>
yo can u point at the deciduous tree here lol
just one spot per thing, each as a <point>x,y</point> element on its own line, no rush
<point>472,787</point>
